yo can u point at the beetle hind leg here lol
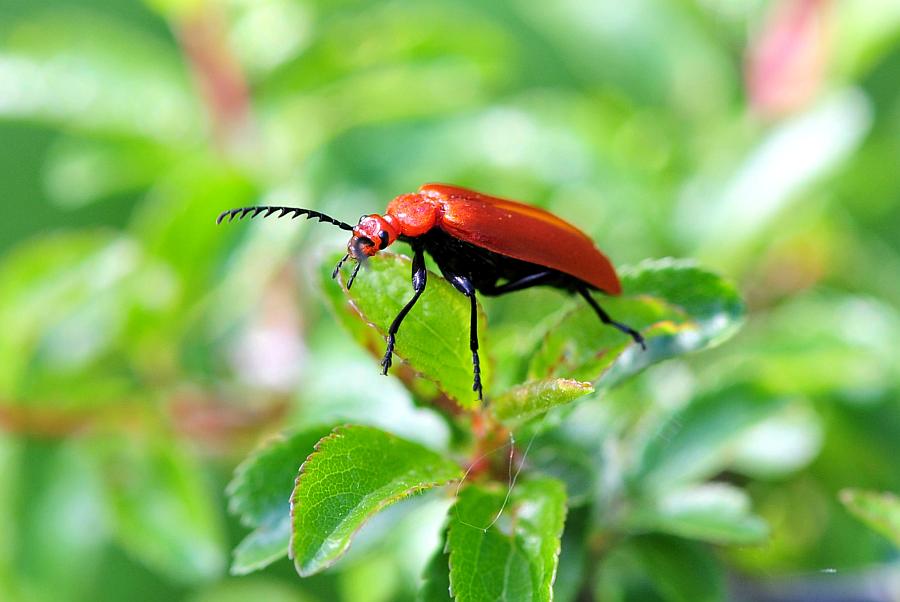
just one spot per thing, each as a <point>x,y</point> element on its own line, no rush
<point>604,317</point>
<point>546,277</point>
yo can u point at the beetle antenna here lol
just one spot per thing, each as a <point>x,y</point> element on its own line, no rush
<point>353,275</point>
<point>296,212</point>
<point>337,268</point>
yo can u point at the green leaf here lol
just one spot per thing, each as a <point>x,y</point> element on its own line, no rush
<point>56,532</point>
<point>436,577</point>
<point>513,557</point>
<point>260,588</point>
<point>677,306</point>
<point>67,287</point>
<point>90,72</point>
<point>573,557</point>
<point>102,167</point>
<point>533,399</point>
<point>681,571</point>
<point>354,473</point>
<point>260,493</point>
<point>699,439</point>
<point>163,513</point>
<point>434,337</point>
<point>558,453</point>
<point>262,547</point>
<point>880,511</point>
<point>613,575</point>
<point>795,347</point>
<point>166,224</point>
<point>713,512</point>
<point>175,9</point>
<point>781,444</point>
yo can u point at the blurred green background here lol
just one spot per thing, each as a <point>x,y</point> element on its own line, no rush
<point>145,351</point>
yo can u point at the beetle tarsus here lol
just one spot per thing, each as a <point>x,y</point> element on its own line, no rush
<point>638,337</point>
<point>473,345</point>
<point>386,361</point>
<point>476,384</point>
<point>634,334</point>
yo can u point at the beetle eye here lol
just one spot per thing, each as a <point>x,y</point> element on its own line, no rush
<point>362,217</point>
<point>383,236</point>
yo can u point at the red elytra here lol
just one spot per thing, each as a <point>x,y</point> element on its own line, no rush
<point>481,243</point>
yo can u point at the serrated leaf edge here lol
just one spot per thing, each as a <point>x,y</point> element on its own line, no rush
<point>557,551</point>
<point>319,564</point>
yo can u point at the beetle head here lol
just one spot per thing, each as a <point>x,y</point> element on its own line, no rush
<point>372,234</point>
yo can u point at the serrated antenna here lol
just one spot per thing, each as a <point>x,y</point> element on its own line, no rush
<point>268,211</point>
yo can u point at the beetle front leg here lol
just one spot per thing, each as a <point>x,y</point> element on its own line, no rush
<point>419,280</point>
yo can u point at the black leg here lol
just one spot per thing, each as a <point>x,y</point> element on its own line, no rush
<point>419,280</point>
<point>604,317</point>
<point>536,279</point>
<point>473,345</point>
<point>337,268</point>
<point>464,285</point>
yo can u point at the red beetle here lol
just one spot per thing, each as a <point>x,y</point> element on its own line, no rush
<point>480,243</point>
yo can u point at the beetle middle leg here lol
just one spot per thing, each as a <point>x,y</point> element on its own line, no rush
<point>464,285</point>
<point>419,280</point>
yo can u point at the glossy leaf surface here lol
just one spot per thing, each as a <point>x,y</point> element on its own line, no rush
<point>535,398</point>
<point>355,472</point>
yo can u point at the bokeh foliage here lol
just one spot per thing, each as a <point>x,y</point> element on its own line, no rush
<point>145,352</point>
